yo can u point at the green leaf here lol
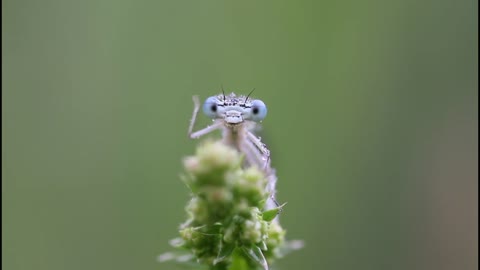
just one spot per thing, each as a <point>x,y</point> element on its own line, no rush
<point>262,245</point>
<point>225,251</point>
<point>210,229</point>
<point>269,215</point>
<point>255,253</point>
<point>238,261</point>
<point>262,202</point>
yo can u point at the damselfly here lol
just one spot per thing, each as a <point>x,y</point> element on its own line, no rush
<point>237,116</point>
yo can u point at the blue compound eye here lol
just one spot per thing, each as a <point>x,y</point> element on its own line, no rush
<point>210,107</point>
<point>259,110</point>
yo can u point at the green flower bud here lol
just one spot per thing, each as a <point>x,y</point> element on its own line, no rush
<point>225,218</point>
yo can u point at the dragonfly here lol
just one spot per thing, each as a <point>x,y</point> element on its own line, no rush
<point>237,117</point>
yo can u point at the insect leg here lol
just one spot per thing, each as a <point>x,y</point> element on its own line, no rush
<point>255,157</point>
<point>199,133</point>
<point>196,107</point>
<point>262,148</point>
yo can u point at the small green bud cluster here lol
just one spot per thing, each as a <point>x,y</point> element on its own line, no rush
<point>225,215</point>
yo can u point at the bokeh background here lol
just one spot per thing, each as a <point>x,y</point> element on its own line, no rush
<point>372,126</point>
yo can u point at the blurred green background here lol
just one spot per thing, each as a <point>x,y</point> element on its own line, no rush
<point>372,126</point>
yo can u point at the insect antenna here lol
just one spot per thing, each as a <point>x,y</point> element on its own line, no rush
<point>223,92</point>
<point>249,95</point>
